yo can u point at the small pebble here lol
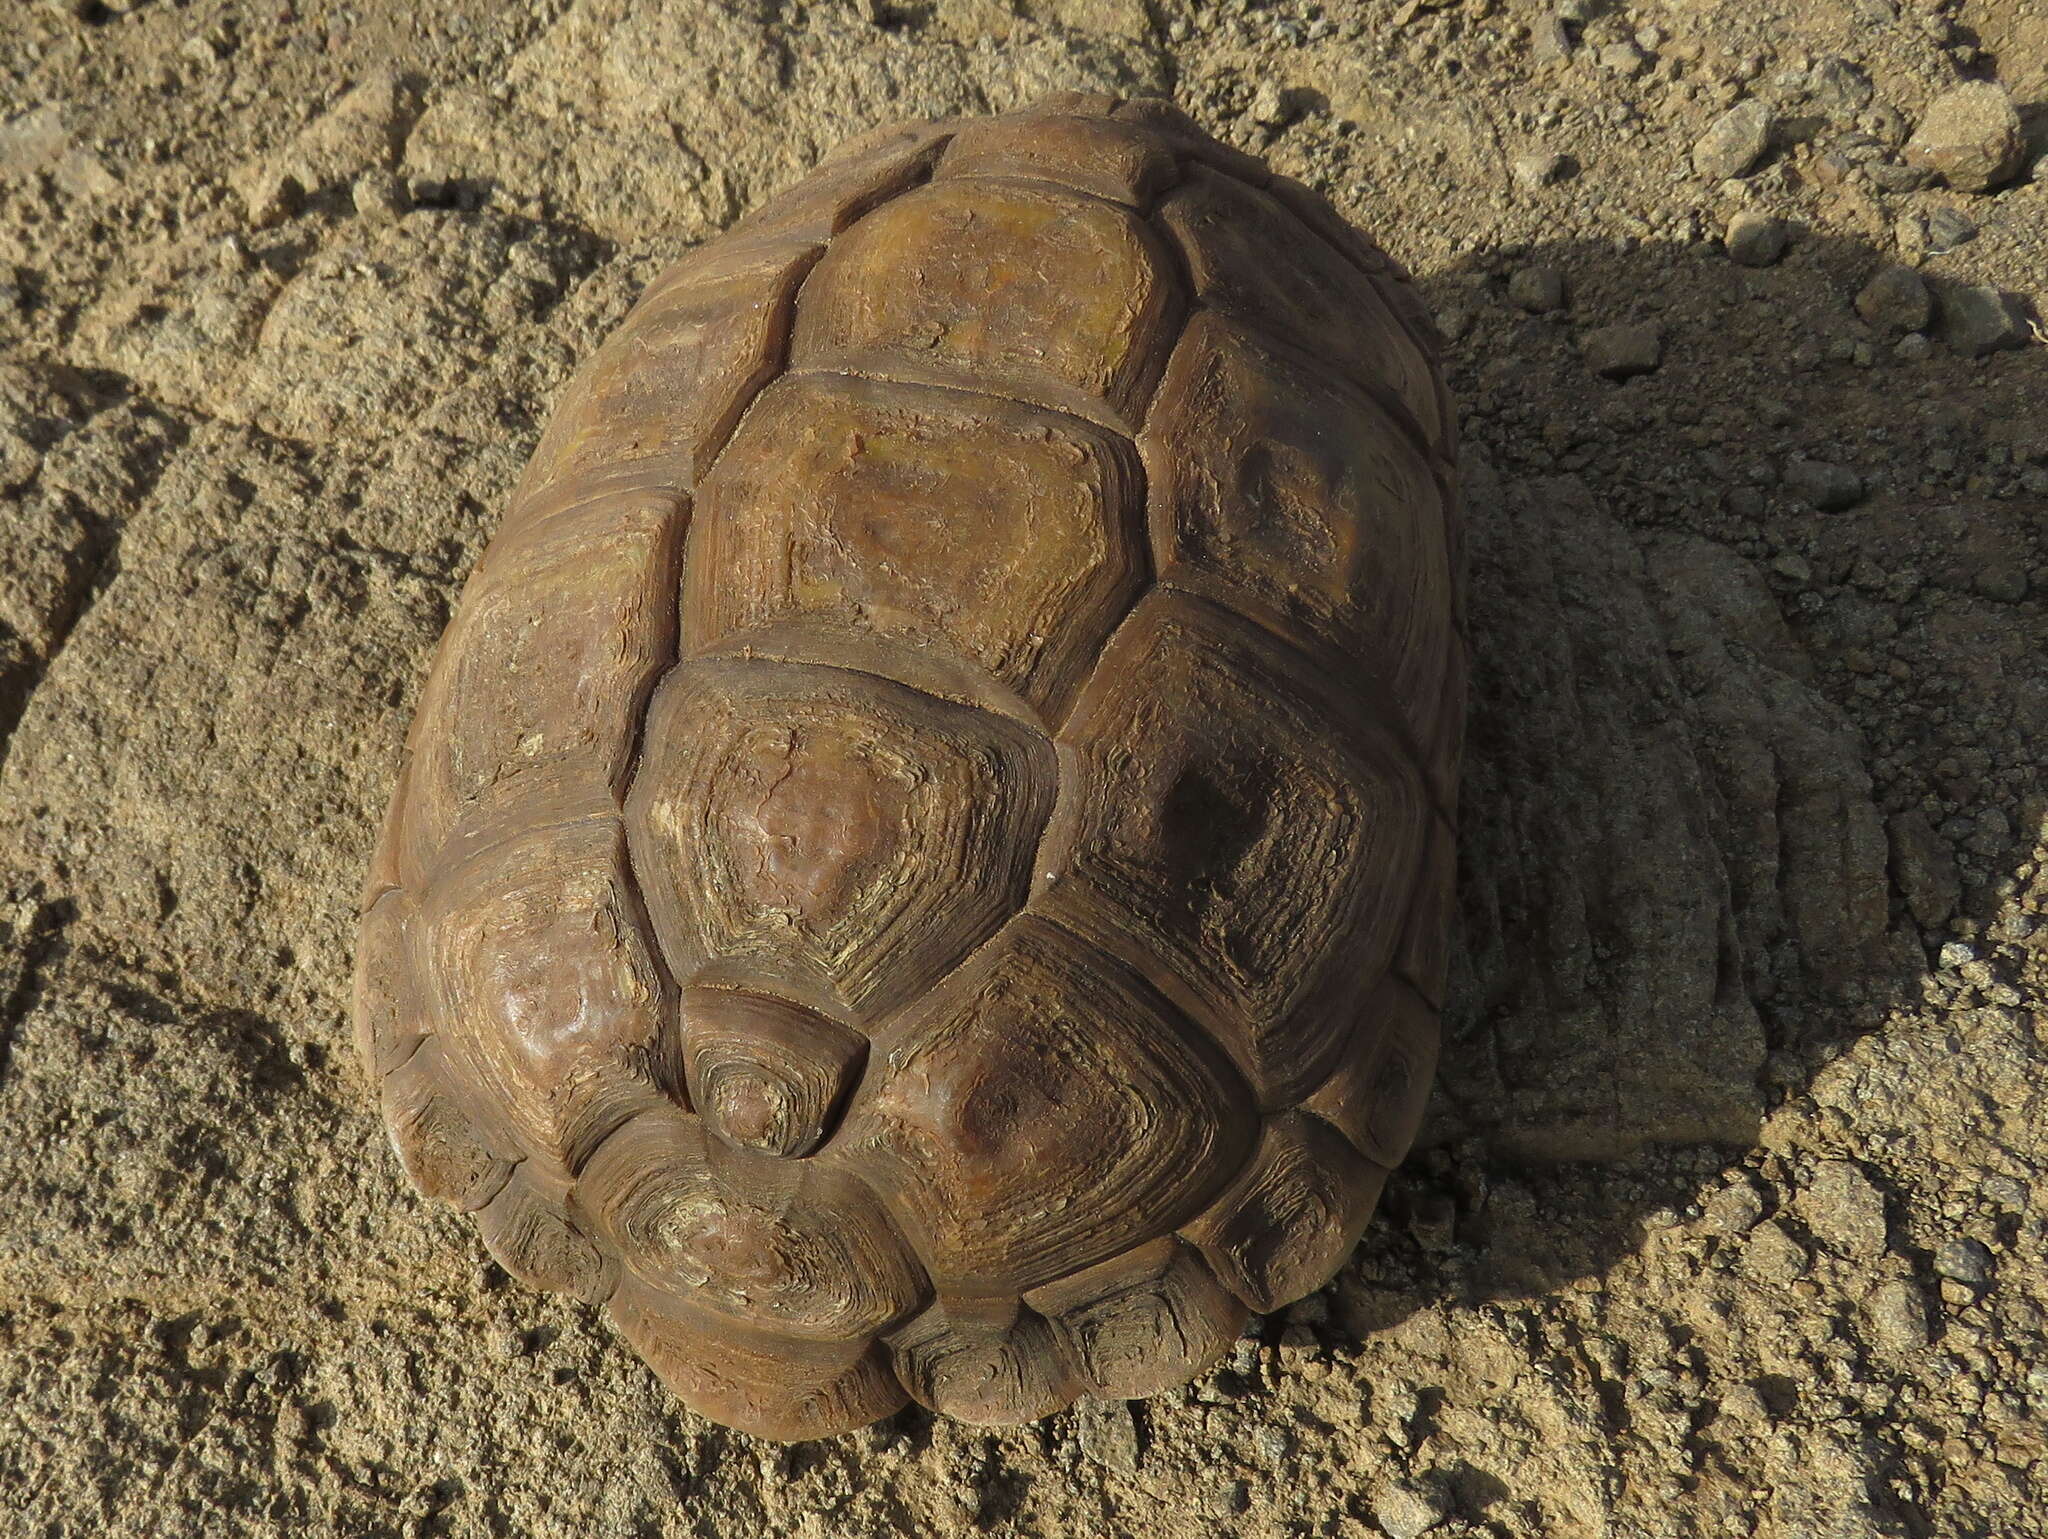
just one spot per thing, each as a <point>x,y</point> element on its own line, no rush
<point>1743,1406</point>
<point>1273,1443</point>
<point>1409,1509</point>
<point>1970,137</point>
<point>1540,168</point>
<point>1896,301</point>
<point>1624,59</point>
<point>1948,228</point>
<point>1735,1209</point>
<point>1890,176</point>
<point>1107,1433</point>
<point>380,197</point>
<point>1916,348</point>
<point>1839,86</point>
<point>1793,567</point>
<point>1273,105</point>
<point>1231,1499</point>
<point>1549,41</point>
<point>1922,861</point>
<point>1897,1315</point>
<point>1844,1210</point>
<point>1538,290</point>
<point>1772,1255</point>
<point>1819,484</point>
<point>1982,319</point>
<point>1965,1261</point>
<point>1621,352</point>
<point>1756,240</point>
<point>2005,1191</point>
<point>1735,143</point>
<point>271,199</point>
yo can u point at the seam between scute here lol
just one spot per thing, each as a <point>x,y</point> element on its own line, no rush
<point>1376,391</point>
<point>1394,275</point>
<point>1133,961</point>
<point>1381,710</point>
<point>1007,705</point>
<point>1432,453</point>
<point>1396,410</point>
<point>1034,180</point>
<point>1108,422</point>
<point>634,762</point>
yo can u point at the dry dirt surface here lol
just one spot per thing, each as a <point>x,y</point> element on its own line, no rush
<point>1733,1213</point>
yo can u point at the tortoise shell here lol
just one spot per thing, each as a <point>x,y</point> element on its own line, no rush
<point>923,862</point>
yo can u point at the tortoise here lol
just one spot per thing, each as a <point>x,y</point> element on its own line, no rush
<point>923,862</point>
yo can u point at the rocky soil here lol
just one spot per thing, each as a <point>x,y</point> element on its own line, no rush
<point>1733,1216</point>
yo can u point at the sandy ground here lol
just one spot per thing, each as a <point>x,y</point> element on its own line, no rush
<point>1733,1215</point>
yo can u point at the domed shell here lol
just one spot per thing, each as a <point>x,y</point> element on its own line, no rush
<point>923,863</point>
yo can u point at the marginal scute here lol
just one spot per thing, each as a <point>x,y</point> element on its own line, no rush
<point>850,180</point>
<point>1315,211</point>
<point>844,498</point>
<point>529,1234</point>
<point>1143,1321</point>
<point>1253,261</point>
<point>559,635</point>
<point>830,828</point>
<point>1423,957</point>
<point>440,1150</point>
<point>766,1073</point>
<point>1079,104</point>
<point>768,1385</point>
<point>391,1011</point>
<point>1376,1095</point>
<point>555,1013</point>
<point>987,1362</point>
<point>994,286</point>
<point>811,1256</point>
<point>1097,155</point>
<point>1228,822</point>
<point>1280,487</point>
<point>1446,750</point>
<point>383,875</point>
<point>1180,132</point>
<point>665,389</point>
<point>1039,1110</point>
<point>1287,1224</point>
